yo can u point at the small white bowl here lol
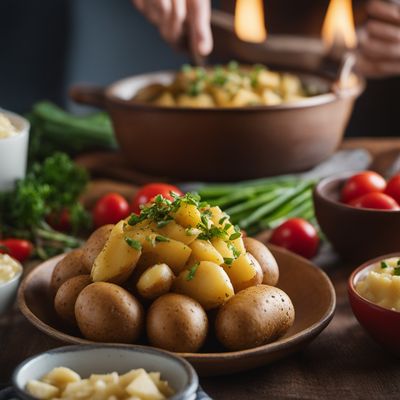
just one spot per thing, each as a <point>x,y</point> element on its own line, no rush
<point>14,152</point>
<point>102,359</point>
<point>8,291</point>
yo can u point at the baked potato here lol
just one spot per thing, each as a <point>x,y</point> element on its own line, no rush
<point>177,323</point>
<point>105,312</point>
<point>64,302</point>
<point>68,267</point>
<point>253,317</point>
<point>95,244</point>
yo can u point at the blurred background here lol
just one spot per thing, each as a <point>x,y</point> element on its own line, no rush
<point>48,45</point>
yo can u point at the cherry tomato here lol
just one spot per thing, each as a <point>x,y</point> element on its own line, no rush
<point>147,193</point>
<point>60,222</point>
<point>19,249</point>
<point>110,209</point>
<point>377,201</point>
<point>297,235</point>
<point>362,183</point>
<point>393,188</point>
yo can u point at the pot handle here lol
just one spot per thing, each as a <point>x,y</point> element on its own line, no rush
<point>90,95</point>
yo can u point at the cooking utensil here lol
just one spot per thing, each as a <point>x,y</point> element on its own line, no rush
<point>228,144</point>
<point>309,288</point>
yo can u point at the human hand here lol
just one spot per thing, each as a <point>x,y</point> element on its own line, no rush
<point>175,18</point>
<point>380,40</point>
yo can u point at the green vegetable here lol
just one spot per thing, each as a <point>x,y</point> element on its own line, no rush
<point>192,272</point>
<point>133,243</point>
<point>384,264</point>
<point>53,129</point>
<point>160,238</point>
<point>48,188</point>
<point>396,271</point>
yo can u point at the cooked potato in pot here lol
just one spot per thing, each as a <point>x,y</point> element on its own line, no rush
<point>105,312</point>
<point>255,316</point>
<point>177,323</point>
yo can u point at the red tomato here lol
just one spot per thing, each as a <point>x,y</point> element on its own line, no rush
<point>362,183</point>
<point>377,201</point>
<point>110,209</point>
<point>19,249</point>
<point>60,222</point>
<point>147,193</point>
<point>297,235</point>
<point>393,188</point>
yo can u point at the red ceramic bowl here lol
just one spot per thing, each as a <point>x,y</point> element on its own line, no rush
<point>381,323</point>
<point>356,234</point>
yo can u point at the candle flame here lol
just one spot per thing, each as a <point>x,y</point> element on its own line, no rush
<point>249,21</point>
<point>338,28</point>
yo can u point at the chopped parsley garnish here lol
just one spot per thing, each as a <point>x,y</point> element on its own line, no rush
<point>161,224</point>
<point>398,261</point>
<point>236,253</point>
<point>228,261</point>
<point>192,271</point>
<point>396,271</point>
<point>160,238</point>
<point>223,219</point>
<point>235,235</point>
<point>384,264</point>
<point>133,243</point>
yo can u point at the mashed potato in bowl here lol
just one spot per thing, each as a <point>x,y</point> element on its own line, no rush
<point>7,129</point>
<point>381,284</point>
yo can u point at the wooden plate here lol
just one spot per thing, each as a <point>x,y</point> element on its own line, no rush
<point>310,289</point>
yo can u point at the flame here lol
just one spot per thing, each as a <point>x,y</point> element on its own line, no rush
<point>249,21</point>
<point>338,28</point>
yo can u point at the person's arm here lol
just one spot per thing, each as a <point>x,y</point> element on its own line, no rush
<point>176,18</point>
<point>380,40</point>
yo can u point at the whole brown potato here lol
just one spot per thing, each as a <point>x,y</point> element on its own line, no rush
<point>64,302</point>
<point>255,316</point>
<point>177,323</point>
<point>265,258</point>
<point>71,265</point>
<point>106,312</point>
<point>94,245</point>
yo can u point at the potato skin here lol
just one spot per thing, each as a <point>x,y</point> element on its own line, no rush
<point>177,323</point>
<point>265,258</point>
<point>71,265</point>
<point>64,302</point>
<point>255,316</point>
<point>105,312</point>
<point>95,244</point>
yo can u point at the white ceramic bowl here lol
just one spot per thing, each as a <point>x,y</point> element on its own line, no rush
<point>14,152</point>
<point>101,359</point>
<point>8,291</point>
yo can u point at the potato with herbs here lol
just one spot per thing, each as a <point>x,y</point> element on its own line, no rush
<point>105,312</point>
<point>155,281</point>
<point>253,317</point>
<point>177,323</point>
<point>68,267</point>
<point>64,302</point>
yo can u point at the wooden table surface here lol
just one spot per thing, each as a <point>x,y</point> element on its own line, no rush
<point>343,362</point>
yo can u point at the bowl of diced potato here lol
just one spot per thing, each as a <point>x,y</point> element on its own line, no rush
<point>105,372</point>
<point>190,124</point>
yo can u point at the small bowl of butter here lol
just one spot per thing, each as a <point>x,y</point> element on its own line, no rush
<point>374,293</point>
<point>10,276</point>
<point>14,138</point>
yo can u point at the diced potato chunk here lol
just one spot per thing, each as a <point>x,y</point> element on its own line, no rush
<point>245,98</point>
<point>117,259</point>
<point>165,100</point>
<point>203,250</point>
<point>270,98</point>
<point>143,387</point>
<point>269,79</point>
<point>241,270</point>
<point>207,283</point>
<point>155,281</point>
<point>222,247</point>
<point>188,215</point>
<point>200,101</point>
<point>60,377</point>
<point>177,232</point>
<point>42,390</point>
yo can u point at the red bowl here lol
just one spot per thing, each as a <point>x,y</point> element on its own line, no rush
<point>381,323</point>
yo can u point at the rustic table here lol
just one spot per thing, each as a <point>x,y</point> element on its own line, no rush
<point>343,362</point>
